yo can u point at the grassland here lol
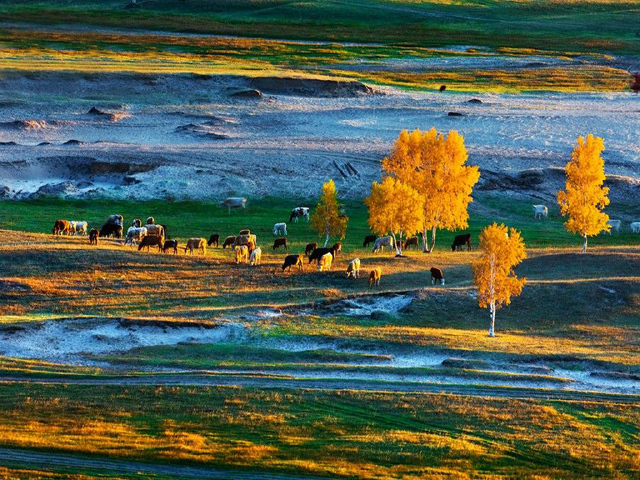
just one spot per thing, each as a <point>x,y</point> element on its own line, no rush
<point>345,434</point>
<point>358,40</point>
<point>563,316</point>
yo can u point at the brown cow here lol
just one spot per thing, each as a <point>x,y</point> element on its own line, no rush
<point>229,241</point>
<point>196,244</point>
<point>336,248</point>
<point>246,231</point>
<point>280,242</point>
<point>292,261</point>
<point>62,227</point>
<point>410,242</point>
<point>436,276</point>
<point>374,277</point>
<point>150,241</point>
<point>93,236</point>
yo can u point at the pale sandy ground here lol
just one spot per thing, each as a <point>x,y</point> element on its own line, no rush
<point>183,136</point>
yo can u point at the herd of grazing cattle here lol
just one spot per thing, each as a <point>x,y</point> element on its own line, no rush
<point>245,247</point>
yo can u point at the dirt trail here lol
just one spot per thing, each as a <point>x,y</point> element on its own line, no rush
<point>63,461</point>
<point>333,384</point>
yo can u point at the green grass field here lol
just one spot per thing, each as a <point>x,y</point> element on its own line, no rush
<point>576,25</point>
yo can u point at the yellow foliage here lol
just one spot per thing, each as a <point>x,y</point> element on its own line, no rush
<point>501,249</point>
<point>394,207</point>
<point>326,218</point>
<point>585,196</point>
<point>434,165</point>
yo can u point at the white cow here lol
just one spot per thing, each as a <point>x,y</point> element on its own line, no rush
<point>241,254</point>
<point>635,227</point>
<point>256,257</point>
<point>234,202</point>
<point>615,225</point>
<point>299,212</point>
<point>353,269</point>
<point>135,235</point>
<point>78,227</point>
<point>540,211</point>
<point>325,262</point>
<point>381,243</point>
<point>280,229</point>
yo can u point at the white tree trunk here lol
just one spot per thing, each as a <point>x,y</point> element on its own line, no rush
<point>492,325</point>
<point>395,244</point>
<point>584,244</point>
<point>326,240</point>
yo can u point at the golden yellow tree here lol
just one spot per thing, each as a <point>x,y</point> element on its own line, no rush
<point>584,196</point>
<point>501,249</point>
<point>434,165</point>
<point>394,208</point>
<point>326,218</point>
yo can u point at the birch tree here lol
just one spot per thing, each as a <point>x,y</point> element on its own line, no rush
<point>434,165</point>
<point>584,196</point>
<point>326,219</point>
<point>501,249</point>
<point>395,208</point>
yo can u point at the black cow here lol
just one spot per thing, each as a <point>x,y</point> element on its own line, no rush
<point>292,261</point>
<point>319,252</point>
<point>111,229</point>
<point>215,238</point>
<point>310,248</point>
<point>369,239</point>
<point>460,240</point>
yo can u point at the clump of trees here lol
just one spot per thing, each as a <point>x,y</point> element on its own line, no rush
<point>501,249</point>
<point>584,196</point>
<point>395,208</point>
<point>326,219</point>
<point>434,166</point>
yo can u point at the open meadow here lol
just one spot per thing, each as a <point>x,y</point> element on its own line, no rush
<point>117,362</point>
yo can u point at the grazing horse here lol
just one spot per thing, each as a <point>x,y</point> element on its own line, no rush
<point>369,239</point>
<point>460,240</point>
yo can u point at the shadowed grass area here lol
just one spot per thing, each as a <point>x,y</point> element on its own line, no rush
<point>344,434</point>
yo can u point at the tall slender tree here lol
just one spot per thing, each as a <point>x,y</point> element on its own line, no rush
<point>394,208</point>
<point>434,165</point>
<point>326,219</point>
<point>585,196</point>
<point>501,250</point>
